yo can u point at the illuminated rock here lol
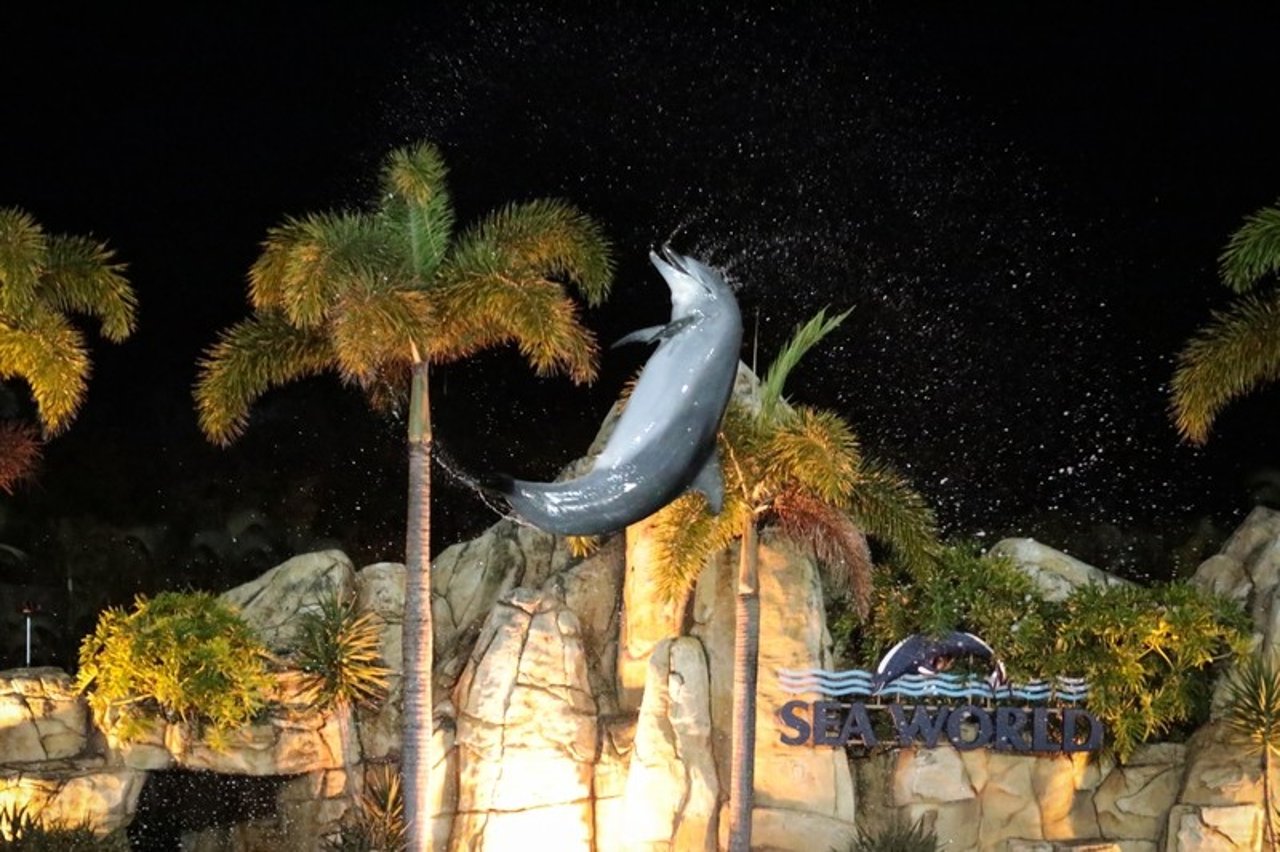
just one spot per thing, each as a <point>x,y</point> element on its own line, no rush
<point>1225,828</point>
<point>272,603</point>
<point>1134,800</point>
<point>41,716</point>
<point>1055,573</point>
<point>526,734</point>
<point>73,792</point>
<point>671,800</point>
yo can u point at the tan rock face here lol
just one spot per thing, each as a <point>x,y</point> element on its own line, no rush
<point>272,603</point>
<point>41,716</point>
<point>671,799</point>
<point>647,617</point>
<point>793,635</point>
<point>526,733</point>
<point>75,791</point>
<point>1054,572</point>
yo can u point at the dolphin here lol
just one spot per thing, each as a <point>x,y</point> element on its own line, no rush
<point>927,655</point>
<point>664,443</point>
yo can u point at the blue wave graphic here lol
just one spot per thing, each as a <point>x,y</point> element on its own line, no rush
<point>858,682</point>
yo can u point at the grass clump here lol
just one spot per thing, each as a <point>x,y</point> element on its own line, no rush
<point>23,831</point>
<point>337,652</point>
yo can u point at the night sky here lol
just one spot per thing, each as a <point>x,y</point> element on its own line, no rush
<point>1023,207</point>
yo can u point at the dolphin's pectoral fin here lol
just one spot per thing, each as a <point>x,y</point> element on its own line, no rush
<point>653,333</point>
<point>710,483</point>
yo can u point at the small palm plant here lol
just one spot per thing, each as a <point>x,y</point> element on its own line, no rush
<point>1240,347</point>
<point>802,470</point>
<point>376,821</point>
<point>337,651</point>
<point>1253,713</point>
<point>898,836</point>
<point>21,830</point>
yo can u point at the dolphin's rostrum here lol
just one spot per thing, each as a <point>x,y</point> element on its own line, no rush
<point>664,443</point>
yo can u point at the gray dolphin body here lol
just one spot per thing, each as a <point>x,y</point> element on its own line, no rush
<point>665,441</point>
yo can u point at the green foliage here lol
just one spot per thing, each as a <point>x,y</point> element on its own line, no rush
<point>337,651</point>
<point>376,821</point>
<point>22,831</point>
<point>187,656</point>
<point>1239,350</point>
<point>1253,714</point>
<point>44,278</point>
<point>1253,702</point>
<point>366,293</point>
<point>800,469</point>
<point>1148,652</point>
<point>898,836</point>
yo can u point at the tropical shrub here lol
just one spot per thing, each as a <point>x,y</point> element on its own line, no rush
<point>898,836</point>
<point>375,822</point>
<point>337,651</point>
<point>186,656</point>
<point>1253,714</point>
<point>23,831</point>
<point>1149,653</point>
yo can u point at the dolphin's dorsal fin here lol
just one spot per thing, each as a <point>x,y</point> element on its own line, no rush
<point>710,483</point>
<point>653,333</point>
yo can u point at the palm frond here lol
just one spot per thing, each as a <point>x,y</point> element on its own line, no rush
<point>417,203</point>
<point>885,506</point>
<point>535,315</point>
<point>1253,251</point>
<point>541,239</point>
<point>82,276</point>
<point>1252,708</point>
<point>806,336</point>
<point>48,353</point>
<point>686,535</point>
<point>307,261</point>
<point>837,542</point>
<point>20,449</point>
<point>249,359</point>
<point>23,254</point>
<point>370,329</point>
<point>1236,352</point>
<point>813,450</point>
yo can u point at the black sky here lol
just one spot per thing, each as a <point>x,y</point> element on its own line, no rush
<point>1022,204</point>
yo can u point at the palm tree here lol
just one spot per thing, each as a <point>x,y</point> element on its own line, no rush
<point>1253,713</point>
<point>801,469</point>
<point>1240,347</point>
<point>378,296</point>
<point>44,278</point>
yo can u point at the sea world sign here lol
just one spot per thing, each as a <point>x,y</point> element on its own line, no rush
<point>925,704</point>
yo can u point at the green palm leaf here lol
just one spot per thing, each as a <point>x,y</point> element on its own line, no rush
<point>81,276</point>
<point>418,206</point>
<point>804,338</point>
<point>1253,251</point>
<point>1238,351</point>
<point>815,451</point>
<point>884,504</point>
<point>24,252</point>
<point>537,240</point>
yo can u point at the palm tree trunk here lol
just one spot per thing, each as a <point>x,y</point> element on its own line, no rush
<point>1268,813</point>
<point>746,641</point>
<point>415,755</point>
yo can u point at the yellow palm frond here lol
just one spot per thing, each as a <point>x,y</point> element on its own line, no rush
<point>1235,353</point>
<point>83,277</point>
<point>24,252</point>
<point>249,359</point>
<point>815,451</point>
<point>48,353</point>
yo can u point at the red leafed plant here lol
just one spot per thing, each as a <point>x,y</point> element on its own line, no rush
<point>20,447</point>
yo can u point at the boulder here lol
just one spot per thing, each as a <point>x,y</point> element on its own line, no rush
<point>1224,828</point>
<point>1133,801</point>
<point>272,603</point>
<point>41,716</point>
<point>671,798</point>
<point>1055,573</point>
<point>526,734</point>
<point>74,791</point>
<point>793,635</point>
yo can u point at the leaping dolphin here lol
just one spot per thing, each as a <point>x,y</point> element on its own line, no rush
<point>927,655</point>
<point>665,441</point>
